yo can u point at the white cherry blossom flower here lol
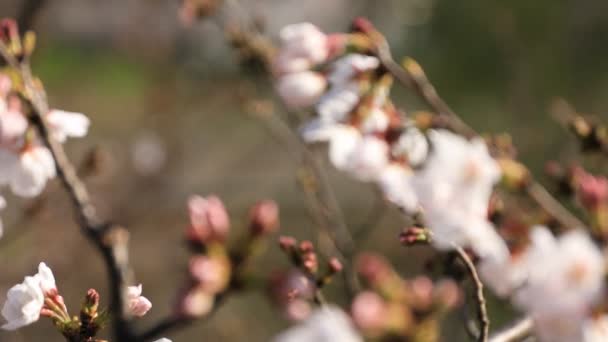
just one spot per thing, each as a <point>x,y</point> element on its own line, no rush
<point>362,156</point>
<point>23,304</point>
<point>326,324</point>
<point>565,278</point>
<point>301,89</point>
<point>138,305</point>
<point>164,339</point>
<point>303,46</point>
<point>596,329</point>
<point>455,203</point>
<point>34,167</point>
<point>67,124</point>
<point>25,300</point>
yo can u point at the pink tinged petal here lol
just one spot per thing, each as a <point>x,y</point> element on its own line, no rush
<point>346,68</point>
<point>68,124</point>
<point>302,89</point>
<point>138,304</point>
<point>13,125</point>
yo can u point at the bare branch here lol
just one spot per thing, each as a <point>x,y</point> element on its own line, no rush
<point>482,313</point>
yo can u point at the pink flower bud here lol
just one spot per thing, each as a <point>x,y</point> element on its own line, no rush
<point>264,217</point>
<point>195,303</point>
<point>335,266</point>
<point>369,312</point>
<point>287,243</point>
<point>592,190</point>
<point>208,218</point>
<point>447,293</point>
<point>212,274</point>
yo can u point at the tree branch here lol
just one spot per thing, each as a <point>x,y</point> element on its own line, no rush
<point>516,332</point>
<point>482,313</point>
<point>110,240</point>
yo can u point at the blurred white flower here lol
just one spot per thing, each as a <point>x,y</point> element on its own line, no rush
<point>412,146</point>
<point>326,324</point>
<point>504,273</point>
<point>362,156</point>
<point>67,124</point>
<point>566,276</point>
<point>30,172</point>
<point>395,181</point>
<point>345,69</point>
<point>138,305</point>
<point>596,329</point>
<point>302,47</point>
<point>148,154</point>
<point>376,121</point>
<point>24,301</point>
<point>164,339</point>
<point>301,89</point>
<point>454,188</point>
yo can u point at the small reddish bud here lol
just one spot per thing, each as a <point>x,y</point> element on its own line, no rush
<point>306,247</point>
<point>414,235</point>
<point>287,243</point>
<point>209,219</point>
<point>369,312</point>
<point>362,24</point>
<point>591,190</point>
<point>212,275</point>
<point>335,266</point>
<point>264,218</point>
<point>195,303</point>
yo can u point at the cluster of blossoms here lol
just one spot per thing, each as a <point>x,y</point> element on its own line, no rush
<point>25,163</point>
<point>372,141</point>
<point>213,267</point>
<point>38,296</point>
<point>445,177</point>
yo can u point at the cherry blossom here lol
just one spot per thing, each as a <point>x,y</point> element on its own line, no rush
<point>26,300</point>
<point>455,203</point>
<point>30,172</point>
<point>326,324</point>
<point>138,305</point>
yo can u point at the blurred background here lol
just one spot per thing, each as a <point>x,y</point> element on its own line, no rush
<point>168,119</point>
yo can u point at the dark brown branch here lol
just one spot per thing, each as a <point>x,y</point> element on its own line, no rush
<point>516,332</point>
<point>482,313</point>
<point>110,240</point>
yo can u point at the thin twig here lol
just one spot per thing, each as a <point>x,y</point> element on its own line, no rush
<point>482,313</point>
<point>516,332</point>
<point>110,240</point>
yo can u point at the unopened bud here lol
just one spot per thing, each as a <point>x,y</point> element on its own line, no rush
<point>264,218</point>
<point>369,313</point>
<point>29,43</point>
<point>208,218</point>
<point>212,274</point>
<point>514,174</point>
<point>335,266</point>
<point>88,314</point>
<point>414,235</point>
<point>287,243</point>
<point>592,191</point>
<point>447,294</point>
<point>195,303</point>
